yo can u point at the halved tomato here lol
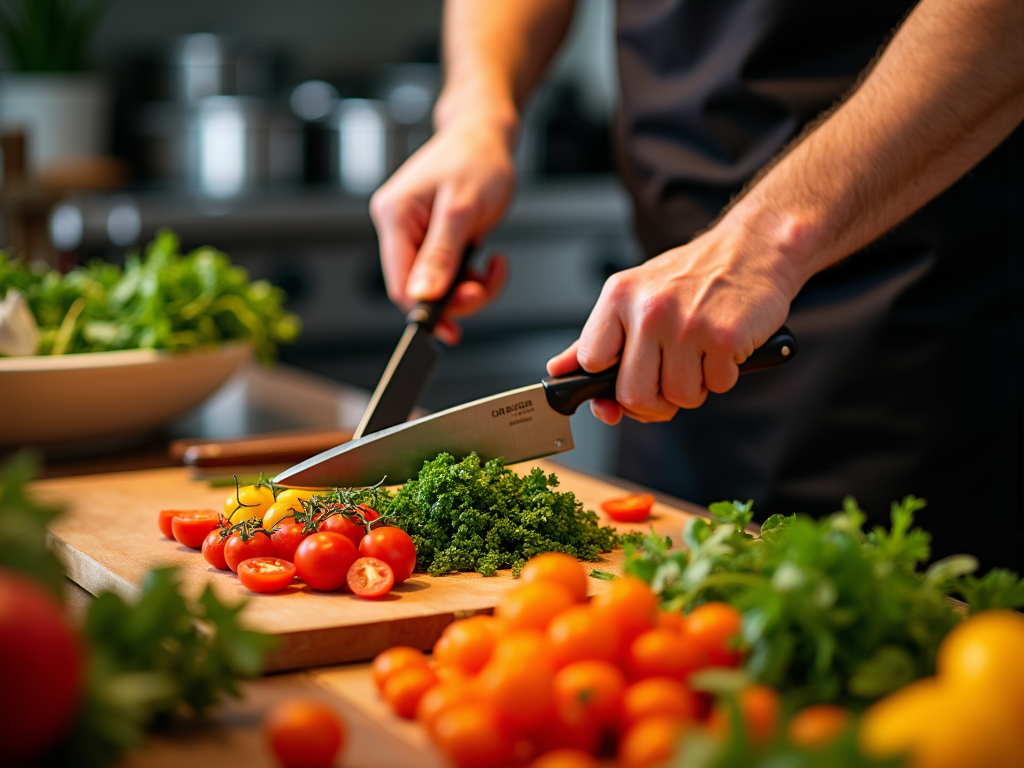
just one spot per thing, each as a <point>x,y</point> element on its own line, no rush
<point>191,527</point>
<point>164,521</point>
<point>629,509</point>
<point>266,574</point>
<point>370,577</point>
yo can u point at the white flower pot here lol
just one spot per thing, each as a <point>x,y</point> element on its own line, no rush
<point>63,115</point>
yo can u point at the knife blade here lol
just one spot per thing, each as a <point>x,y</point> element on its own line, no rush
<point>519,425</point>
<point>412,364</point>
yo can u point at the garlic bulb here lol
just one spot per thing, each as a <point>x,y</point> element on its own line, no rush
<point>19,333</point>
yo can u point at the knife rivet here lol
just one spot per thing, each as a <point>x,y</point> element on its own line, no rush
<point>558,443</point>
<point>785,351</point>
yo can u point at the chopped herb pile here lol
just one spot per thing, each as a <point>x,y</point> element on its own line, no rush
<point>468,516</point>
<point>162,300</point>
<point>831,613</point>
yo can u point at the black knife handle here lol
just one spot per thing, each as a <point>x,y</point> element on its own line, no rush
<point>428,313</point>
<point>567,393</point>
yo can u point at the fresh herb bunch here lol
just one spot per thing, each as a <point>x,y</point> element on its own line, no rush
<point>49,35</point>
<point>466,516</point>
<point>830,613</point>
<point>163,300</point>
<point>23,522</point>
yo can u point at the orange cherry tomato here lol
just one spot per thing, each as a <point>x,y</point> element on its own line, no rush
<point>663,653</point>
<point>566,758</point>
<point>441,697</point>
<point>164,521</point>
<point>266,574</point>
<point>579,634</point>
<point>628,605</point>
<point>304,734</point>
<point>532,606</point>
<point>634,508</point>
<point>659,697</point>
<point>670,620</point>
<point>370,578</point>
<point>564,730</point>
<point>394,660</point>
<point>404,689</point>
<point>759,710</point>
<point>590,691</point>
<point>213,549</point>
<point>651,742</point>
<point>470,736</point>
<point>190,527</point>
<point>817,726</point>
<point>518,681</point>
<point>559,568</point>
<point>716,629</point>
<point>467,644</point>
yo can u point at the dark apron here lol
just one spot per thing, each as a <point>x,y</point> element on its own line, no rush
<point>909,377</point>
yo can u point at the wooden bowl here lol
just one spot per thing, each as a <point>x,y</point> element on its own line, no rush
<point>55,399</point>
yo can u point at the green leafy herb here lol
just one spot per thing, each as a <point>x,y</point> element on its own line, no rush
<point>49,35</point>
<point>23,522</point>
<point>830,613</point>
<point>163,300</point>
<point>466,516</point>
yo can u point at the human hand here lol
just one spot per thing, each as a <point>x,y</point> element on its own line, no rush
<point>448,194</point>
<point>681,324</point>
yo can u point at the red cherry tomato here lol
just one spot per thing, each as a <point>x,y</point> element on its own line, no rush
<point>286,538</point>
<point>164,521</point>
<point>190,527</point>
<point>236,549</point>
<point>323,560</point>
<point>394,546</point>
<point>266,574</point>
<point>370,577</point>
<point>213,549</point>
<point>305,734</point>
<point>350,527</point>
<point>629,509</point>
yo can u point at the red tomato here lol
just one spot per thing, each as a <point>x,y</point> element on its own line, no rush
<point>394,546</point>
<point>287,537</point>
<point>190,527</point>
<point>323,560</point>
<point>213,549</point>
<point>343,525</point>
<point>236,550</point>
<point>629,509</point>
<point>42,673</point>
<point>404,689</point>
<point>164,521</point>
<point>716,629</point>
<point>469,734</point>
<point>370,577</point>
<point>394,659</point>
<point>304,734</point>
<point>266,574</point>
<point>663,653</point>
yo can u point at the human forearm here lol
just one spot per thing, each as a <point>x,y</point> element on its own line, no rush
<point>947,90</point>
<point>494,54</point>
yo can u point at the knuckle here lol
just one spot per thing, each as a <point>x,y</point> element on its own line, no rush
<point>656,309</point>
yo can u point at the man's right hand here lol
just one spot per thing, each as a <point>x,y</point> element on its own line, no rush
<point>447,195</point>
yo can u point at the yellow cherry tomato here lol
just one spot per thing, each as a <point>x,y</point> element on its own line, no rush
<point>247,502</point>
<point>986,650</point>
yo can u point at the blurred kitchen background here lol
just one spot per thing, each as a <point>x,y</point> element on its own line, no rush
<point>262,127</point>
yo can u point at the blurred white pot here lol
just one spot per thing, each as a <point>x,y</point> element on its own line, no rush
<point>63,115</point>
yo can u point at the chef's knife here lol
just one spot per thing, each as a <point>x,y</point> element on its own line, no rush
<point>522,424</point>
<point>411,365</point>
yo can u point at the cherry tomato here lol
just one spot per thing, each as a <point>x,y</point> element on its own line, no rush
<point>519,681</point>
<point>670,620</point>
<point>467,643</point>
<point>279,511</point>
<point>985,650</point>
<point>404,689</point>
<point>191,527</point>
<point>247,502</point>
<point>532,606</point>
<point>663,653</point>
<point>236,549</point>
<point>629,605</point>
<point>286,537</point>
<point>164,521</point>
<point>345,526</point>
<point>629,509</point>
<point>566,758</point>
<point>651,742</point>
<point>659,697</point>
<point>441,697</point>
<point>759,710</point>
<point>323,560</point>
<point>559,568</point>
<point>590,691</point>
<point>392,545</point>
<point>579,634</point>
<point>369,577</point>
<point>715,628</point>
<point>304,734</point>
<point>395,659</point>
<point>42,671</point>
<point>266,574</point>
<point>567,731</point>
<point>817,726</point>
<point>213,549</point>
<point>469,734</point>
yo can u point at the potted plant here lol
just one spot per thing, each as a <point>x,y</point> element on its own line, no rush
<point>63,109</point>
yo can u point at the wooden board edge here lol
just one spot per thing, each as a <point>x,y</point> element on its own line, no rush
<point>88,573</point>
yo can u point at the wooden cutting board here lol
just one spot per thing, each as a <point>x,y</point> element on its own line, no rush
<point>109,540</point>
